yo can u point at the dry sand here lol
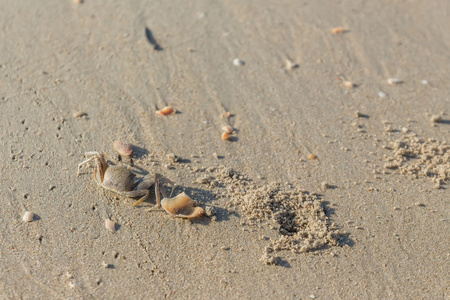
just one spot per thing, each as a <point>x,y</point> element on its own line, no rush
<point>357,219</point>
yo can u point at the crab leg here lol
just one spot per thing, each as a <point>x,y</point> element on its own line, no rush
<point>85,162</point>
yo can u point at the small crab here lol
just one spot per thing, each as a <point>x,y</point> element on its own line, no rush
<point>119,179</point>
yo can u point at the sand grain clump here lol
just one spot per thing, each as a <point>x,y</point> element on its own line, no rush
<point>419,157</point>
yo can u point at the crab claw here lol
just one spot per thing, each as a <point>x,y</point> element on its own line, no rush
<point>182,206</point>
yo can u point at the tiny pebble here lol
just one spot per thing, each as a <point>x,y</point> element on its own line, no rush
<point>312,296</point>
<point>123,148</point>
<point>325,185</point>
<point>425,82</point>
<point>436,119</point>
<point>394,81</point>
<point>28,216</point>
<point>110,225</point>
<point>238,62</point>
<point>312,156</point>
<point>382,94</point>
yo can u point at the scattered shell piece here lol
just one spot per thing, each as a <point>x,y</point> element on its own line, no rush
<point>238,62</point>
<point>182,206</point>
<point>338,30</point>
<point>290,65</point>
<point>436,119</point>
<point>394,81</point>
<point>123,148</point>
<point>226,136</point>
<point>28,216</point>
<point>110,225</point>
<point>78,1</point>
<point>228,129</point>
<point>79,114</point>
<point>425,82</point>
<point>226,115</point>
<point>201,15</point>
<point>349,84</point>
<point>312,156</point>
<point>382,94</point>
<point>325,185</point>
<point>166,111</point>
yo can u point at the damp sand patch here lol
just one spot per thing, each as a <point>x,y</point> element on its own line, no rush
<point>298,216</point>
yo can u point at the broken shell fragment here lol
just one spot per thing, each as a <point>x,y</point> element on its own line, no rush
<point>28,216</point>
<point>337,30</point>
<point>123,148</point>
<point>394,81</point>
<point>110,225</point>
<point>166,111</point>
<point>182,206</point>
<point>226,136</point>
<point>349,84</point>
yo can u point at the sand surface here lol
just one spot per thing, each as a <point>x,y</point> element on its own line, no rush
<point>375,227</point>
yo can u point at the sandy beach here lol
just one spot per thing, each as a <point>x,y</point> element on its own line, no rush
<point>333,183</point>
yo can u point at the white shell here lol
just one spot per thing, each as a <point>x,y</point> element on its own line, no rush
<point>394,81</point>
<point>237,62</point>
<point>28,216</point>
<point>110,225</point>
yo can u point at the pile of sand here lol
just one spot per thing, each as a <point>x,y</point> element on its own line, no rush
<point>418,157</point>
<point>298,216</point>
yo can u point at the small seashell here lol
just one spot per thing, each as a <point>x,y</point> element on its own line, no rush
<point>110,225</point>
<point>290,65</point>
<point>226,136</point>
<point>237,62</point>
<point>182,206</point>
<point>382,94</point>
<point>166,111</point>
<point>226,115</point>
<point>78,1</point>
<point>312,156</point>
<point>123,148</point>
<point>28,216</point>
<point>349,84</point>
<point>79,114</point>
<point>436,119</point>
<point>338,30</point>
<point>228,129</point>
<point>394,81</point>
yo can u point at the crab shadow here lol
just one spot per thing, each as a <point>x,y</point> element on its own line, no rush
<point>139,152</point>
<point>343,238</point>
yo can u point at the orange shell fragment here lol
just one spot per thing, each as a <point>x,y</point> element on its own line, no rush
<point>182,206</point>
<point>338,30</point>
<point>166,111</point>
